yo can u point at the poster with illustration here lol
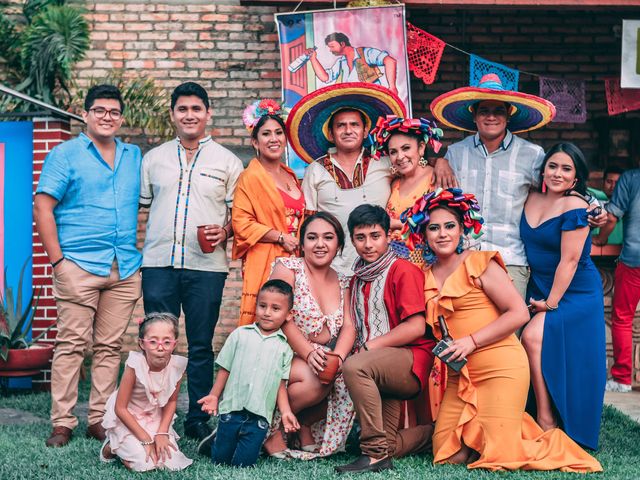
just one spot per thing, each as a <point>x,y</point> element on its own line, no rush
<point>324,47</point>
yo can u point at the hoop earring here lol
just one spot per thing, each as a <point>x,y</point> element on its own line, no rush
<point>460,247</point>
<point>423,162</point>
<point>427,254</point>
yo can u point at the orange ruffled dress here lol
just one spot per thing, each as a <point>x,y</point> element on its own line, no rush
<point>484,404</point>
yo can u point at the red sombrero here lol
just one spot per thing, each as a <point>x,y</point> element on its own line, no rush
<point>308,121</point>
<point>528,112</point>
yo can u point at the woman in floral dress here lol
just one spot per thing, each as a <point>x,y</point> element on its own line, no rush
<point>319,323</point>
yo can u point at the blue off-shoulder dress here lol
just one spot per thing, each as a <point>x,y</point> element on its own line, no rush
<point>573,345</point>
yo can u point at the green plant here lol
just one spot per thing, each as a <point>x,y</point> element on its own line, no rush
<point>15,324</point>
<point>146,104</point>
<point>39,55</point>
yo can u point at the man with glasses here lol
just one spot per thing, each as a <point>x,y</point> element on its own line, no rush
<point>86,214</point>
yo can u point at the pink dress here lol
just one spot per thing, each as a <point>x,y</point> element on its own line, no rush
<point>330,434</point>
<point>150,394</point>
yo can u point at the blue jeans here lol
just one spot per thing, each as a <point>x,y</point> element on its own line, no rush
<point>239,438</point>
<point>199,293</point>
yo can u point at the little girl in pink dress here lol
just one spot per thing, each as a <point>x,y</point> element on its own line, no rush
<point>139,415</point>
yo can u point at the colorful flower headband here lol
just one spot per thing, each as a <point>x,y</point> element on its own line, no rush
<point>415,219</point>
<point>258,109</point>
<point>385,126</point>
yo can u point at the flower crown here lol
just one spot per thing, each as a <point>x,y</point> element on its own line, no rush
<point>385,126</point>
<point>258,109</point>
<point>415,219</point>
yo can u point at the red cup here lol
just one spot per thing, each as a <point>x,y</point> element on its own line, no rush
<point>328,375</point>
<point>205,245</point>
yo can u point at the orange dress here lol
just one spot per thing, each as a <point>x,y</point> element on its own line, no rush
<point>398,204</point>
<point>258,208</point>
<point>484,404</point>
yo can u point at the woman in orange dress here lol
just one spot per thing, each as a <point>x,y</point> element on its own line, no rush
<point>405,141</point>
<point>268,204</point>
<point>482,421</point>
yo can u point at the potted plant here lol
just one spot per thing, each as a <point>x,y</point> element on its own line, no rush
<point>20,356</point>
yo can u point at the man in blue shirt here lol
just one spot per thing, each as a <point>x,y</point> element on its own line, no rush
<point>625,204</point>
<point>86,213</point>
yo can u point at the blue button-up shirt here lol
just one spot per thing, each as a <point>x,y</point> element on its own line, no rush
<point>97,211</point>
<point>625,204</point>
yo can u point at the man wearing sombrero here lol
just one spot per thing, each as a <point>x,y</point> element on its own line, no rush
<point>496,165</point>
<point>327,129</point>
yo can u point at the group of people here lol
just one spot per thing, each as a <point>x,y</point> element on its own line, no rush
<point>351,280</point>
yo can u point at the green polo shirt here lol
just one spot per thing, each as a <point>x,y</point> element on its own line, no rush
<point>615,237</point>
<point>256,364</point>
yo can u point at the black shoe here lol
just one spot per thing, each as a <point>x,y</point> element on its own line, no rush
<point>198,431</point>
<point>204,447</point>
<point>363,464</point>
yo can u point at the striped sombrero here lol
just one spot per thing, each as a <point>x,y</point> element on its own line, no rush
<point>308,121</point>
<point>528,112</point>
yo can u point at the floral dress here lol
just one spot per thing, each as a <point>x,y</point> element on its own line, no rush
<point>329,434</point>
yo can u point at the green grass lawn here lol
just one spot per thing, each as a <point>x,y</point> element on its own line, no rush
<point>24,456</point>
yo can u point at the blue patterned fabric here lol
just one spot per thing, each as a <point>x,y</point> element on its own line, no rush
<point>478,67</point>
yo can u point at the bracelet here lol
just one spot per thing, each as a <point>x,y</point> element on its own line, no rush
<point>57,262</point>
<point>226,235</point>
<point>340,357</point>
<point>162,433</point>
<point>150,442</point>
<point>474,341</point>
<point>281,238</point>
<point>364,345</point>
<point>549,307</point>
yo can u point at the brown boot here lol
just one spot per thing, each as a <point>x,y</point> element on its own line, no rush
<point>59,437</point>
<point>96,431</point>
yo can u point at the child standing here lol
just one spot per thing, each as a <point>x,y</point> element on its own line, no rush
<point>255,363</point>
<point>140,414</point>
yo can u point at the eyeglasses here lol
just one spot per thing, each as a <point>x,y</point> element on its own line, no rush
<point>154,344</point>
<point>100,112</point>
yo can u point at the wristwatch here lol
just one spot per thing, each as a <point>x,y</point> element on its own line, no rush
<point>281,238</point>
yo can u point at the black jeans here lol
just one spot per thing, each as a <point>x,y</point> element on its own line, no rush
<point>239,438</point>
<point>199,293</point>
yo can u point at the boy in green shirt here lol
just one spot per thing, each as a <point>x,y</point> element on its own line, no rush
<point>254,368</point>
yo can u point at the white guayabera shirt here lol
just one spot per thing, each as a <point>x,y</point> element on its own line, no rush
<point>501,182</point>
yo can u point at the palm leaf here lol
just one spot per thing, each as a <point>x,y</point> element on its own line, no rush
<point>56,39</point>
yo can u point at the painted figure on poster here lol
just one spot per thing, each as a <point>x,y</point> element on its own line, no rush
<point>354,64</point>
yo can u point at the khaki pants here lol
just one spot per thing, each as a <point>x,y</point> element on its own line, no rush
<point>378,381</point>
<point>91,309</point>
<point>520,276</point>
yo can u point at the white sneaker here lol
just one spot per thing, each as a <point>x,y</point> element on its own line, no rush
<point>613,386</point>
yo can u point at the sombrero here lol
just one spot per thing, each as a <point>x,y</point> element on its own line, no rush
<point>528,112</point>
<point>308,121</point>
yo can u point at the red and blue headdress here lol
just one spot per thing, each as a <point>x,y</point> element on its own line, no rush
<point>416,218</point>
<point>426,130</point>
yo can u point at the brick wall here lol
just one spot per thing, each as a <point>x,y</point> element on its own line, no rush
<point>47,133</point>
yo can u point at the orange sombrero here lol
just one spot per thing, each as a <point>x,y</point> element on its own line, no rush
<point>528,112</point>
<point>308,121</point>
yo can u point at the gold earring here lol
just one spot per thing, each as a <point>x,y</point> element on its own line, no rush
<point>422,162</point>
<point>393,170</point>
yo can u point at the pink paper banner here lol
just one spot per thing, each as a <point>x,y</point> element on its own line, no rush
<point>620,100</point>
